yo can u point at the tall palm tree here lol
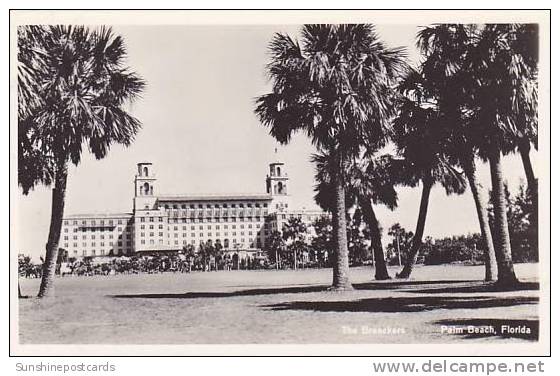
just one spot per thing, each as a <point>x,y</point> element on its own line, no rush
<point>418,139</point>
<point>504,105</point>
<point>72,87</point>
<point>442,80</point>
<point>337,88</point>
<point>370,183</point>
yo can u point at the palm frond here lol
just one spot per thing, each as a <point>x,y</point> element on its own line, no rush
<point>73,84</point>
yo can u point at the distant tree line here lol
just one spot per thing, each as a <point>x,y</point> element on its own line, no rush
<point>316,241</point>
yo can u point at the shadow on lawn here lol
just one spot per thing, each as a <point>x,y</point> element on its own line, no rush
<point>227,294</point>
<point>382,285</point>
<point>480,287</point>
<point>405,304</point>
<point>523,329</point>
<point>399,284</point>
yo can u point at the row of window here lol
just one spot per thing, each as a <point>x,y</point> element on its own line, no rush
<point>101,244</point>
<point>200,206</point>
<point>300,216</point>
<point>214,219</point>
<point>100,229</point>
<point>102,252</point>
<point>194,242</point>
<point>209,227</point>
<point>110,236</point>
<point>160,234</point>
<point>201,234</point>
<point>94,222</point>
<point>94,244</point>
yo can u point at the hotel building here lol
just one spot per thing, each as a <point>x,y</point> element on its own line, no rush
<point>167,223</point>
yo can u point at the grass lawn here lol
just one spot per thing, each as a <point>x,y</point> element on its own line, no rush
<point>278,307</point>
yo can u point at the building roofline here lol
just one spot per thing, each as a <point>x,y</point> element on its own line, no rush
<point>216,197</point>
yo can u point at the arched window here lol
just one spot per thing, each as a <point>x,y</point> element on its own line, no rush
<point>145,171</point>
<point>146,188</point>
<point>278,171</point>
<point>280,187</point>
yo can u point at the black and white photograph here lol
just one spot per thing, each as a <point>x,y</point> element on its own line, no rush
<point>362,179</point>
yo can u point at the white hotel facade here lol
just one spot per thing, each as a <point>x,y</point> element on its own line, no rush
<point>240,222</point>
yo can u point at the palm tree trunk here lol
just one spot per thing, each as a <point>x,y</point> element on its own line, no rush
<point>506,273</point>
<point>491,268</point>
<point>377,247</point>
<point>532,181</point>
<point>419,233</point>
<point>524,150</point>
<point>57,213</point>
<point>341,267</point>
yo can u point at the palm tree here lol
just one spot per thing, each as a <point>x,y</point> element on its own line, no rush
<point>190,254</point>
<point>293,234</point>
<point>322,242</point>
<point>504,106</point>
<point>218,253</point>
<point>274,245</point>
<point>337,88</point>
<point>442,81</point>
<point>370,183</point>
<point>418,139</point>
<point>374,184</point>
<point>72,86</point>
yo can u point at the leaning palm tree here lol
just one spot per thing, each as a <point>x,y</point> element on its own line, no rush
<point>72,87</point>
<point>374,184</point>
<point>370,183</point>
<point>337,88</point>
<point>504,105</point>
<point>418,138</point>
<point>442,81</point>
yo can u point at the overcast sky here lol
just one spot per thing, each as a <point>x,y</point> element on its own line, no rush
<point>200,132</point>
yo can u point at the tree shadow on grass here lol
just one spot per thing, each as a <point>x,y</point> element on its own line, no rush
<point>480,287</point>
<point>390,285</point>
<point>404,304</point>
<point>228,294</point>
<point>523,329</point>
